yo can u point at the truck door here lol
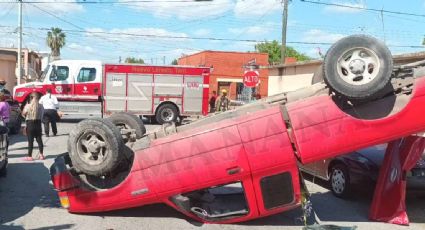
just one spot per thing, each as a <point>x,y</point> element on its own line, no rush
<point>87,83</point>
<point>115,92</point>
<point>140,93</point>
<point>193,94</point>
<point>187,173</point>
<point>61,82</point>
<point>272,161</point>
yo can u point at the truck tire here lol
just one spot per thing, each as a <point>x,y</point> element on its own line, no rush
<point>128,121</point>
<point>358,67</point>
<point>166,113</point>
<point>94,146</point>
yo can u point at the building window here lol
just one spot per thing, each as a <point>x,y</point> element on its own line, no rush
<point>243,93</point>
<point>62,73</point>
<point>86,75</point>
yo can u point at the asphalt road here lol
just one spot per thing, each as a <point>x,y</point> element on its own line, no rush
<point>28,201</point>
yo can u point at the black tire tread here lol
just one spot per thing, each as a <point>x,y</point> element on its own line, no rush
<point>130,120</point>
<point>162,107</point>
<point>113,138</point>
<point>369,91</point>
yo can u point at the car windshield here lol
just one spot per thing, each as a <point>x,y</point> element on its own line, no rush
<point>44,73</point>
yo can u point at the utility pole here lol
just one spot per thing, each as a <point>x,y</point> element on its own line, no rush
<point>19,44</point>
<point>284,28</point>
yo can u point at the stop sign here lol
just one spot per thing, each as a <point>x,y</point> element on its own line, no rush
<point>251,78</point>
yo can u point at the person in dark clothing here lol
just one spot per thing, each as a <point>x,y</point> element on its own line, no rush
<point>212,102</point>
<point>33,113</point>
<point>50,105</point>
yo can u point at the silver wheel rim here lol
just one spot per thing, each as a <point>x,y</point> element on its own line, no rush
<point>167,115</point>
<point>92,148</point>
<point>358,66</point>
<point>338,181</point>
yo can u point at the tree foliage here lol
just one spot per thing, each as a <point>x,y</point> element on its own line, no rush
<point>273,48</point>
<point>174,62</point>
<point>134,60</point>
<point>55,40</point>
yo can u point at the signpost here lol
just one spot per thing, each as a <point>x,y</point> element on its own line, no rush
<point>251,78</point>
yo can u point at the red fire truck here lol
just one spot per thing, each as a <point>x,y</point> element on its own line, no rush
<point>95,89</point>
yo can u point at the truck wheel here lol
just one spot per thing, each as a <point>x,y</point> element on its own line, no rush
<point>166,113</point>
<point>358,67</point>
<point>340,180</point>
<point>128,121</point>
<point>95,146</point>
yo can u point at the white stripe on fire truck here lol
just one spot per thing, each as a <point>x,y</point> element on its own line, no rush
<point>167,85</point>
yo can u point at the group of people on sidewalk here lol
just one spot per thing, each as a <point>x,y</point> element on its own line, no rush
<point>36,111</point>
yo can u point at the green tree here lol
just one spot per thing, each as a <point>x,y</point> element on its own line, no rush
<point>174,62</point>
<point>134,60</point>
<point>55,40</point>
<point>273,48</point>
<point>423,42</point>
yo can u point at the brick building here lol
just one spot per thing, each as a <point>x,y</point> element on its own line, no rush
<point>228,71</point>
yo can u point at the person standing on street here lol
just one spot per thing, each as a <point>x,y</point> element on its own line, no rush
<point>50,105</point>
<point>212,102</point>
<point>33,113</point>
<point>4,109</point>
<point>223,102</point>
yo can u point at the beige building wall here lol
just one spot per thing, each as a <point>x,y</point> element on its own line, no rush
<point>287,83</point>
<point>7,70</point>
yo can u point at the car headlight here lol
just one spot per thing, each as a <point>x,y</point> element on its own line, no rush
<point>20,94</point>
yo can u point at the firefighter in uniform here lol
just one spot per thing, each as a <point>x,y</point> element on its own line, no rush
<point>223,102</point>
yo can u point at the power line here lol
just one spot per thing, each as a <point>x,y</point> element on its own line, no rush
<point>203,38</point>
<point>364,8</point>
<point>109,2</point>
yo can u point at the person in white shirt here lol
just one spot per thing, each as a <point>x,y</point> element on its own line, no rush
<point>50,105</point>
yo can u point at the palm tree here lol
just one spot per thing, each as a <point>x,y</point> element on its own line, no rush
<point>55,40</point>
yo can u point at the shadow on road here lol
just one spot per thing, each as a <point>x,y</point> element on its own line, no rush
<point>356,207</point>
<point>25,187</point>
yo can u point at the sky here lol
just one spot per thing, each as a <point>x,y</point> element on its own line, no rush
<point>159,31</point>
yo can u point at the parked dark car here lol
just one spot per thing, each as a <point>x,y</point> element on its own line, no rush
<point>360,167</point>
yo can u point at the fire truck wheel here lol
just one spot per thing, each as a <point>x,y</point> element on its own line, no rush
<point>166,113</point>
<point>95,146</point>
<point>358,67</point>
<point>128,121</point>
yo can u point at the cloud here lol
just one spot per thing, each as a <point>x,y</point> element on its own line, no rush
<point>341,9</point>
<point>135,34</point>
<point>249,8</point>
<point>316,35</point>
<point>183,10</point>
<point>55,7</point>
<point>202,32</point>
<point>253,30</point>
<point>86,49</point>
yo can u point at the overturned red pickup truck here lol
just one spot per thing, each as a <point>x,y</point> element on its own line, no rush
<point>242,164</point>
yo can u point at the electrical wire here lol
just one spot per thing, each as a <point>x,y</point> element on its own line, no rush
<point>364,8</point>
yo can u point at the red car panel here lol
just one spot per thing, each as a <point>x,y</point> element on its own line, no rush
<point>318,120</point>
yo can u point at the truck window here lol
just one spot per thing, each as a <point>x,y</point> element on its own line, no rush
<point>86,75</point>
<point>62,73</point>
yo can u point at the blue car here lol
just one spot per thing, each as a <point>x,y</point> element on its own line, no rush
<point>360,167</point>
